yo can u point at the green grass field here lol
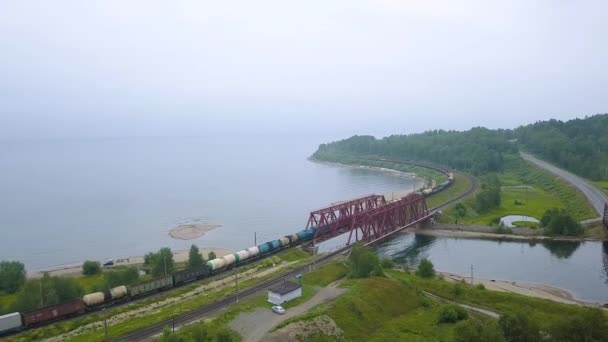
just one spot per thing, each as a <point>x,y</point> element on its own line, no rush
<point>394,308</point>
<point>544,191</point>
<point>535,202</point>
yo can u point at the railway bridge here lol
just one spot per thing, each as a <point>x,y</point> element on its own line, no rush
<point>368,218</point>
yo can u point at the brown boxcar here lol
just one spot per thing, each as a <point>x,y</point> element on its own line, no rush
<point>51,313</point>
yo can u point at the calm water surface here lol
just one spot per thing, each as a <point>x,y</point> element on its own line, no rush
<point>65,201</point>
<point>579,267</point>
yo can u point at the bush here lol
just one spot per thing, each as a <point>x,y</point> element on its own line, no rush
<point>363,262</point>
<point>589,326</point>
<point>559,222</point>
<point>480,286</point>
<point>127,276</point>
<point>518,328</point>
<point>91,267</point>
<point>473,330</point>
<point>211,255</point>
<point>387,264</point>
<point>501,229</point>
<point>12,276</point>
<point>452,314</point>
<point>425,269</point>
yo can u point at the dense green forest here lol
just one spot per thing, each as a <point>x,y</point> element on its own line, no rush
<point>579,145</point>
<point>575,145</point>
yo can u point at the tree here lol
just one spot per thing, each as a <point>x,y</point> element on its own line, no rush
<point>518,328</point>
<point>589,326</point>
<point>47,291</point>
<point>559,222</point>
<point>161,263</point>
<point>211,255</point>
<point>195,259</point>
<point>363,262</point>
<point>460,211</point>
<point>425,269</point>
<point>473,330</point>
<point>12,276</point>
<point>127,276</point>
<point>91,267</point>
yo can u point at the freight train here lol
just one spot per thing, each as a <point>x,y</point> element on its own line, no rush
<point>17,321</point>
<point>429,191</point>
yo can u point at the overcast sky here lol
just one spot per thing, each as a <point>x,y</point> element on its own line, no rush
<point>139,68</point>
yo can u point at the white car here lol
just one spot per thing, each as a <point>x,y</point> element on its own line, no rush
<point>278,310</point>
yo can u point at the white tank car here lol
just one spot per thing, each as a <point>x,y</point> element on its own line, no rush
<point>118,292</point>
<point>93,299</point>
<point>284,241</point>
<point>216,264</point>
<point>294,238</point>
<point>253,251</point>
<point>229,259</point>
<point>243,255</point>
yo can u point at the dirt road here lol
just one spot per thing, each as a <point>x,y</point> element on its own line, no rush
<point>254,326</point>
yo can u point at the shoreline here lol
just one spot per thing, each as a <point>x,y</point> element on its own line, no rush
<point>485,232</point>
<point>75,269</point>
<point>542,291</point>
<point>390,196</point>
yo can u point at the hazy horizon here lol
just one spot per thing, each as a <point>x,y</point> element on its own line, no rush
<point>328,70</point>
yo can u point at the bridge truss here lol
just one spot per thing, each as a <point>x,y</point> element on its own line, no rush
<point>367,218</point>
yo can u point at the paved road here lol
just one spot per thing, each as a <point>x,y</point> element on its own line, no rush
<point>595,196</point>
<point>254,326</point>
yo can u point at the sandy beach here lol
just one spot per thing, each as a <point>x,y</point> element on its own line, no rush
<point>76,269</point>
<point>526,289</point>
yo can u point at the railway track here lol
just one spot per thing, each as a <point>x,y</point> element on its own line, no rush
<point>197,314</point>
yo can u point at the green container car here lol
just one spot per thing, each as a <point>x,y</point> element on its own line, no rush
<point>191,274</point>
<point>151,286</point>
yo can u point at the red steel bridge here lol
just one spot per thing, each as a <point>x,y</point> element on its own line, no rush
<point>368,218</point>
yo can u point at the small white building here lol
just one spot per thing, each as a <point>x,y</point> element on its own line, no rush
<point>284,293</point>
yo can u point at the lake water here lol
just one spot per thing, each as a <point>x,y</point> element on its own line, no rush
<point>63,201</point>
<point>579,267</point>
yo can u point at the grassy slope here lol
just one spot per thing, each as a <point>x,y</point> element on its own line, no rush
<point>548,191</point>
<point>394,308</point>
<point>602,185</point>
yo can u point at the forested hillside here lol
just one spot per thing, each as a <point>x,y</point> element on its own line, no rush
<point>478,150</point>
<point>579,145</point>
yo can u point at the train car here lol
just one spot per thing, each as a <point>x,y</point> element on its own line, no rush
<point>229,260</point>
<point>253,251</point>
<point>294,238</point>
<point>285,241</point>
<point>265,248</point>
<point>216,264</point>
<point>241,256</point>
<point>276,244</point>
<point>185,276</point>
<point>10,323</point>
<point>52,313</point>
<point>99,298</point>
<point>151,286</point>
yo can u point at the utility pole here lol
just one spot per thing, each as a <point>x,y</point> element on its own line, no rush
<point>236,278</point>
<point>41,295</point>
<point>255,238</point>
<point>471,274</point>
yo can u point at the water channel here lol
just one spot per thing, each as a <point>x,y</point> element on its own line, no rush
<point>578,267</point>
